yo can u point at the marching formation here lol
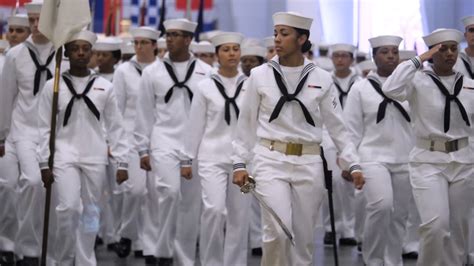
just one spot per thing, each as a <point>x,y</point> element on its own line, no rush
<point>156,139</point>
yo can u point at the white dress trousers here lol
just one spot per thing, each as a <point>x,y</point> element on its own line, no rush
<point>295,193</point>
<point>178,209</point>
<point>9,174</point>
<point>387,212</point>
<point>224,206</point>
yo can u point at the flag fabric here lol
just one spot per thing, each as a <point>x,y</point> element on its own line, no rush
<point>174,9</point>
<point>161,25</point>
<point>60,19</point>
<point>200,21</point>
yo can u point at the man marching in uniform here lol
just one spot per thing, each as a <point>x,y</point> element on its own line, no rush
<point>86,105</point>
<point>164,99</point>
<point>30,64</point>
<point>465,65</point>
<point>18,31</point>
<point>130,195</point>
<point>286,102</point>
<point>344,77</point>
<point>441,163</point>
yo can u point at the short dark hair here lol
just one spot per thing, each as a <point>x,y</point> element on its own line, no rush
<point>117,54</point>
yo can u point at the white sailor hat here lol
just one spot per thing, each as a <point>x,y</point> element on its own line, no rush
<point>227,37</point>
<point>323,46</point>
<point>362,54</point>
<point>34,6</point>
<point>127,46</point>
<point>385,40</point>
<point>206,36</point>
<point>292,19</point>
<point>406,54</point>
<point>180,24</point>
<point>253,50</point>
<point>443,35</point>
<point>84,35</point>
<point>161,43</point>
<point>203,47</point>
<point>367,65</point>
<point>342,47</point>
<point>4,44</point>
<point>108,44</point>
<point>20,20</point>
<point>467,21</point>
<point>269,42</point>
<point>145,32</point>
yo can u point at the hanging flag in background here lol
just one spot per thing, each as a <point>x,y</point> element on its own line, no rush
<point>200,21</point>
<point>161,25</point>
<point>107,15</point>
<point>174,9</point>
<point>143,13</point>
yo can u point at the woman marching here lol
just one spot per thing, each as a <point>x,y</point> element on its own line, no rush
<point>285,104</point>
<point>441,163</point>
<point>381,130</point>
<point>212,121</point>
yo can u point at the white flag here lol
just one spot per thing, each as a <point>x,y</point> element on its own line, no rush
<point>61,19</point>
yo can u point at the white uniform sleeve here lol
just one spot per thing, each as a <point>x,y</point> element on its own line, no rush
<point>246,131</point>
<point>196,125</point>
<point>145,118</point>
<point>399,85</point>
<point>331,113</point>
<point>118,141</point>
<point>44,123</point>
<point>353,115</point>
<point>8,92</point>
<point>120,90</point>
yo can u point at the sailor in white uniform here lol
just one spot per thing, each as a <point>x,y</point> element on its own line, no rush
<point>86,104</point>
<point>109,55</point>
<point>164,99</point>
<point>18,29</point>
<point>30,64</point>
<point>381,130</point>
<point>465,62</point>
<point>441,163</point>
<point>269,43</point>
<point>465,65</point>
<point>129,196</point>
<point>285,104</point>
<point>212,122</point>
<point>344,77</point>
<point>205,51</point>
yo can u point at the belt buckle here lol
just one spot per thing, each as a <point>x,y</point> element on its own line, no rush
<point>294,149</point>
<point>451,146</point>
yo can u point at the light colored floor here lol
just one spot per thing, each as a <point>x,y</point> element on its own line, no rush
<point>323,256</point>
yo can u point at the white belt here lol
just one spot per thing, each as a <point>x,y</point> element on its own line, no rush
<point>442,146</point>
<point>289,148</point>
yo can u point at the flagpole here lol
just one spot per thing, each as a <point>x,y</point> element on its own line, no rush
<point>52,142</point>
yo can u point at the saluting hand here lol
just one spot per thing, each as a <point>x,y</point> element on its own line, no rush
<point>122,176</point>
<point>240,177</point>
<point>2,150</point>
<point>47,177</point>
<point>429,54</point>
<point>359,180</point>
<point>145,163</point>
<point>187,172</point>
